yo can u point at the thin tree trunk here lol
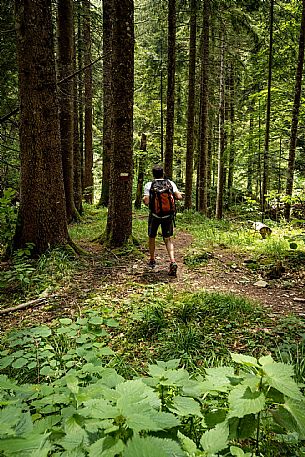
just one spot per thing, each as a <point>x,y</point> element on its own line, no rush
<point>295,115</point>
<point>42,213</point>
<point>65,68</point>
<point>140,181</point>
<point>119,221</point>
<point>80,81</point>
<point>221,132</point>
<point>171,68</point>
<point>250,154</point>
<point>107,99</point>
<point>266,159</point>
<point>232,135</point>
<point>204,114</point>
<point>77,158</point>
<point>191,108</point>
<point>88,175</point>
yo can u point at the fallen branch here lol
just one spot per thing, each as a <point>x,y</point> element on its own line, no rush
<point>28,304</point>
<point>299,299</point>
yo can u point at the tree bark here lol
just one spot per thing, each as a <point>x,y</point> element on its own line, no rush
<point>119,221</point>
<point>171,68</point>
<point>107,100</point>
<point>88,175</point>
<point>191,108</point>
<point>42,214</point>
<point>265,183</point>
<point>232,135</point>
<point>140,181</point>
<point>204,113</point>
<point>295,115</point>
<point>77,153</point>
<point>221,131</point>
<point>65,68</point>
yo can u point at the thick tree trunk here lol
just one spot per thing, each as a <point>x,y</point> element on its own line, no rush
<point>119,221</point>
<point>65,68</point>
<point>42,215</point>
<point>107,100</point>
<point>191,108</point>
<point>204,113</point>
<point>295,114</point>
<point>221,132</point>
<point>266,159</point>
<point>171,68</point>
<point>88,175</point>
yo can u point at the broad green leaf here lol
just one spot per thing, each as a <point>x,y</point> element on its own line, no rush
<point>65,321</point>
<point>19,363</point>
<point>152,447</point>
<point>151,420</point>
<point>6,361</point>
<point>244,360</point>
<point>184,406</point>
<point>102,448</point>
<point>112,323</point>
<point>217,379</point>
<point>25,425</point>
<point>9,417</point>
<point>135,391</point>
<point>279,376</point>
<point>72,383</point>
<point>99,409</point>
<point>31,442</point>
<point>242,401</point>
<point>266,360</point>
<point>42,331</point>
<point>216,439</point>
<point>187,444</point>
<point>237,452</point>
<point>105,351</point>
<point>297,410</point>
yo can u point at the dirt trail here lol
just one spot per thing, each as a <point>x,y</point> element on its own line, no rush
<point>225,271</point>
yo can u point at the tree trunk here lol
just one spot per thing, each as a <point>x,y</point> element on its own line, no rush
<point>204,114</point>
<point>295,114</point>
<point>139,194</point>
<point>42,214</point>
<point>250,154</point>
<point>66,92</point>
<point>80,81</point>
<point>88,176</point>
<point>77,155</point>
<point>119,221</point>
<point>265,183</point>
<point>191,108</point>
<point>221,132</point>
<point>107,99</point>
<point>171,68</point>
<point>232,135</point>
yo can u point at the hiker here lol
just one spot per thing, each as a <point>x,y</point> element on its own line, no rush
<point>159,196</point>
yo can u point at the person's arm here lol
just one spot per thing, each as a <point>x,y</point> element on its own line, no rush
<point>146,193</point>
<point>146,200</point>
<point>178,195</point>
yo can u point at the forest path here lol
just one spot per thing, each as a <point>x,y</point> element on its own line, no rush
<point>110,280</point>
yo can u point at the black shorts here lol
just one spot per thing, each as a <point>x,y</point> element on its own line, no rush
<point>167,226</point>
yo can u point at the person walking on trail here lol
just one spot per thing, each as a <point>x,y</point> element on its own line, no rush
<point>159,196</point>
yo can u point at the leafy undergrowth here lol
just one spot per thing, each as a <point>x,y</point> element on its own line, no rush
<point>61,394</point>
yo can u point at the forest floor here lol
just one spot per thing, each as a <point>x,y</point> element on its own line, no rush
<point>119,277</point>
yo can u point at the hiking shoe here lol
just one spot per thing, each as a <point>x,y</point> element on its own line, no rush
<point>152,264</point>
<point>173,269</point>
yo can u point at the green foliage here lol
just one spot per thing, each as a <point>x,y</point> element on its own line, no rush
<point>49,352</point>
<point>8,217</point>
<point>26,275</point>
<point>81,407</point>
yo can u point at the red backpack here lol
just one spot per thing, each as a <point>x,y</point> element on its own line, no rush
<point>161,198</point>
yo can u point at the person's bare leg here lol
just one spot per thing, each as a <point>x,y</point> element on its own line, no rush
<point>152,247</point>
<point>170,248</point>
